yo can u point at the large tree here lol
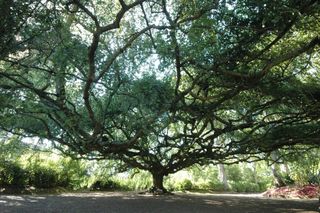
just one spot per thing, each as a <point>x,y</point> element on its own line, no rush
<point>162,85</point>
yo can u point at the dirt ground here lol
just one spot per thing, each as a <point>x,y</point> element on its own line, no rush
<point>114,202</point>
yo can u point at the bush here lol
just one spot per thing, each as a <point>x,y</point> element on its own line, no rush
<point>72,173</point>
<point>41,177</point>
<point>264,185</point>
<point>216,186</point>
<point>186,184</point>
<point>243,186</point>
<point>234,173</point>
<point>11,174</point>
<point>288,180</point>
<point>169,185</point>
<point>314,179</point>
<point>139,181</point>
<point>108,184</point>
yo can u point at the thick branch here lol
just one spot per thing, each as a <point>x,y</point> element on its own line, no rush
<point>87,11</point>
<point>116,23</point>
<point>290,55</point>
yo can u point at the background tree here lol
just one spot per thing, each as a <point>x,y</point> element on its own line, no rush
<point>156,83</point>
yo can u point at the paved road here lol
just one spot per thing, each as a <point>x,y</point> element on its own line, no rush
<point>116,202</point>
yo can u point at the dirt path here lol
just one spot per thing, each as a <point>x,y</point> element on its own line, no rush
<point>110,202</point>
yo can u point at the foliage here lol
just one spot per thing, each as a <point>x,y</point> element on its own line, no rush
<point>73,174</point>
<point>11,147</point>
<point>208,172</point>
<point>23,167</point>
<point>185,184</point>
<point>214,186</point>
<point>14,14</point>
<point>48,170</point>
<point>245,186</point>
<point>140,181</point>
<point>305,166</point>
<point>244,179</point>
<point>11,174</point>
<point>42,177</point>
<point>241,178</point>
<point>108,184</point>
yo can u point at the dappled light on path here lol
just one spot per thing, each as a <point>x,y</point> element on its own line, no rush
<point>13,200</point>
<point>133,202</point>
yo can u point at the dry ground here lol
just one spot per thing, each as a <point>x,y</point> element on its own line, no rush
<point>121,202</point>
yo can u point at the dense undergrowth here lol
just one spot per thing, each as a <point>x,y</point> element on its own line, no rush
<point>38,172</point>
<point>27,170</point>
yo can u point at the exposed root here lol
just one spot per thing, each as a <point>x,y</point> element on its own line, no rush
<point>157,191</point>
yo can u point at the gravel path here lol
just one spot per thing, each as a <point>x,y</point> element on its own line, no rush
<point>114,202</point>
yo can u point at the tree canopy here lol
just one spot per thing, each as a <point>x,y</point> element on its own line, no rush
<point>161,85</point>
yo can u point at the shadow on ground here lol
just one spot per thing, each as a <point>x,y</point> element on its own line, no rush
<point>131,202</point>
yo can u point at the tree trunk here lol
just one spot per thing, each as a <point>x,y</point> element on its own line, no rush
<point>223,177</point>
<point>276,170</point>
<point>158,187</point>
<point>278,179</point>
<point>287,169</point>
<point>157,181</point>
<point>255,175</point>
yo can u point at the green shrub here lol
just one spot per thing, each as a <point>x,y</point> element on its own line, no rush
<point>42,177</point>
<point>11,174</point>
<point>202,186</point>
<point>264,185</point>
<point>49,171</point>
<point>138,185</point>
<point>288,180</point>
<point>108,184</point>
<point>72,173</point>
<point>169,185</point>
<point>216,186</point>
<point>186,184</point>
<point>243,186</point>
<point>141,180</point>
<point>203,173</point>
<point>234,173</point>
<point>314,179</point>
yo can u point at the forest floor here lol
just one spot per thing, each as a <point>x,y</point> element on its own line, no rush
<point>112,202</point>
